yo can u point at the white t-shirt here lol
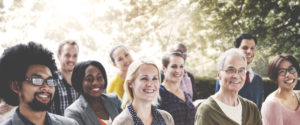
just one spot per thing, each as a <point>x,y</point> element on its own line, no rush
<point>233,112</point>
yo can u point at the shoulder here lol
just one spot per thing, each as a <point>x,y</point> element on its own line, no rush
<point>57,119</point>
<point>8,122</point>
<point>207,106</point>
<point>124,118</point>
<point>271,102</point>
<point>166,116</point>
<point>76,104</point>
<point>110,97</point>
<point>257,76</point>
<point>247,102</point>
<point>190,74</point>
<point>248,106</point>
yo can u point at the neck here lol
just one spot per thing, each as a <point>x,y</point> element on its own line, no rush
<point>283,93</point>
<point>93,101</point>
<point>36,117</point>
<point>67,76</point>
<point>122,74</point>
<point>248,67</point>
<point>229,98</point>
<point>143,110</point>
<point>173,86</point>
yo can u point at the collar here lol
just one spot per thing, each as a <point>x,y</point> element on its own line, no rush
<point>28,122</point>
<point>251,74</point>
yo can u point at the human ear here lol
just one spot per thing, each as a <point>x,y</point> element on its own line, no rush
<point>130,84</point>
<point>164,69</point>
<point>15,86</point>
<point>219,76</point>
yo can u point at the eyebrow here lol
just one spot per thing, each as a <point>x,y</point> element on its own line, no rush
<point>40,76</point>
<point>287,67</point>
<point>230,67</point>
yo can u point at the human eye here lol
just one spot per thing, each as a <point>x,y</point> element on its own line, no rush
<point>282,72</point>
<point>99,78</point>
<point>51,82</point>
<point>173,66</point>
<point>230,70</point>
<point>120,59</point>
<point>144,78</point>
<point>154,78</point>
<point>68,55</point>
<point>181,66</point>
<point>244,47</point>
<point>242,71</point>
<point>37,81</point>
<point>89,79</point>
<point>292,69</point>
<point>126,54</point>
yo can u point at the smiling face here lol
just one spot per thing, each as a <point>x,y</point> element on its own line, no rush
<point>68,57</point>
<point>248,47</point>
<point>93,82</point>
<point>289,80</point>
<point>38,98</point>
<point>122,58</point>
<point>145,86</point>
<point>232,81</point>
<point>175,69</point>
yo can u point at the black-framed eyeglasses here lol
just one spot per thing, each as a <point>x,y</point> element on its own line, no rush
<point>40,81</point>
<point>283,71</point>
<point>231,71</point>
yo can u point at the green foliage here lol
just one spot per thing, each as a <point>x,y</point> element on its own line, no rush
<point>276,24</point>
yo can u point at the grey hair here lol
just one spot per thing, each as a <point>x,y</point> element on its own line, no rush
<point>230,52</point>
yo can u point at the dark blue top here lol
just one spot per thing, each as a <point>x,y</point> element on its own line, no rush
<point>27,122</point>
<point>253,91</point>
<point>182,112</point>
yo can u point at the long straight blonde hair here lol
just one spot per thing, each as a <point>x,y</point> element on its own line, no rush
<point>131,76</point>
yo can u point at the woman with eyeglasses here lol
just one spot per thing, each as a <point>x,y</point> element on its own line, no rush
<point>281,107</point>
<point>93,107</point>
<point>226,107</point>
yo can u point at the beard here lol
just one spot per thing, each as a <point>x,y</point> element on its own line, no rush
<point>37,105</point>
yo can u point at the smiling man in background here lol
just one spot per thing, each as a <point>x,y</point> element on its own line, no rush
<point>65,94</point>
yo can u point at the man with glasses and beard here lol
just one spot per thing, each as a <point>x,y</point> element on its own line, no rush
<point>28,80</point>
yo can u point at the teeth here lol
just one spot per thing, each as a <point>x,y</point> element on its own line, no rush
<point>43,96</point>
<point>290,81</point>
<point>236,82</point>
<point>149,90</point>
<point>96,89</point>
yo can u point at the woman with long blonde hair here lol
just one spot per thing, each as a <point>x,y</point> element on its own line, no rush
<point>141,96</point>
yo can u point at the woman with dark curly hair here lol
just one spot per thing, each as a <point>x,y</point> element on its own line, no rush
<point>282,106</point>
<point>92,107</point>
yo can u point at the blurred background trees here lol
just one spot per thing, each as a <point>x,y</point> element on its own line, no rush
<point>150,27</point>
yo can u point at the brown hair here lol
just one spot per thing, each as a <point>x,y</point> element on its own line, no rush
<point>71,42</point>
<point>166,58</point>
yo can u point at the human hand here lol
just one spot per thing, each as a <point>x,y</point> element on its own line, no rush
<point>5,108</point>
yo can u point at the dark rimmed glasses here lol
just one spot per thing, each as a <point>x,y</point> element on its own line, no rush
<point>40,81</point>
<point>283,71</point>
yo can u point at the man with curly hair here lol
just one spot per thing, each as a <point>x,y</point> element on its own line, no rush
<point>28,80</point>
